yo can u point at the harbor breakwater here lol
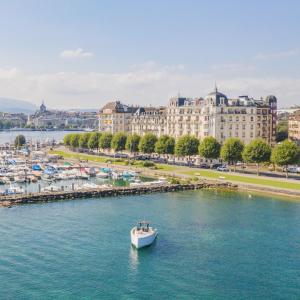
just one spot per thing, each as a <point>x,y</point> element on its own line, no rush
<point>8,201</point>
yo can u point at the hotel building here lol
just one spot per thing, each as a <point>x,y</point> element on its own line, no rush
<point>215,115</point>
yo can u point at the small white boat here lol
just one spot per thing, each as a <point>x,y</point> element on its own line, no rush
<point>142,235</point>
<point>82,176</point>
<point>51,188</point>
<point>102,175</point>
<point>13,190</point>
<point>115,175</point>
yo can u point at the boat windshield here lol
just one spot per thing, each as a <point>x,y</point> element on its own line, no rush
<point>143,226</point>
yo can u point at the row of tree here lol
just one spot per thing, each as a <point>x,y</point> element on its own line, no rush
<point>232,151</point>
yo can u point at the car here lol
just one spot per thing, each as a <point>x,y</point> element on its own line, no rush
<point>160,160</point>
<point>120,155</point>
<point>291,169</point>
<point>203,166</point>
<point>216,166</point>
<point>223,169</point>
<point>141,157</point>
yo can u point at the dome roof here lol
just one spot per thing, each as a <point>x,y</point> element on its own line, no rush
<point>217,94</point>
<point>217,98</point>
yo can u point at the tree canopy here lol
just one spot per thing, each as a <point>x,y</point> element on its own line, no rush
<point>132,143</point>
<point>147,143</point>
<point>93,142</point>
<point>186,146</point>
<point>209,148</point>
<point>118,141</point>
<point>285,153</point>
<point>232,150</point>
<point>20,140</point>
<point>257,151</point>
<point>105,140</point>
<point>67,139</point>
<point>165,145</point>
<point>74,140</point>
<point>83,140</point>
<point>281,131</point>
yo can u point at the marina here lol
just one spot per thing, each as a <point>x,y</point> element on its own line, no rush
<point>26,172</point>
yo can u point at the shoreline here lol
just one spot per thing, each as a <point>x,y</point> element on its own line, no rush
<point>44,197</point>
<point>8,201</point>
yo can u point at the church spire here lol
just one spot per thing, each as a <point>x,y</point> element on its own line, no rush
<point>216,88</point>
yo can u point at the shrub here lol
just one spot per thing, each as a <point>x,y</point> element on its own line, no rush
<point>148,164</point>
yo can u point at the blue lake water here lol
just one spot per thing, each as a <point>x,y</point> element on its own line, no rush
<point>211,245</point>
<point>33,136</point>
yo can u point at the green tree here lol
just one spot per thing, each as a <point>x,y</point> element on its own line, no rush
<point>165,145</point>
<point>257,151</point>
<point>209,148</point>
<point>67,139</point>
<point>93,142</point>
<point>105,140</point>
<point>147,143</point>
<point>83,140</point>
<point>232,150</point>
<point>20,141</point>
<point>74,140</point>
<point>281,131</point>
<point>284,154</point>
<point>132,143</point>
<point>118,141</point>
<point>187,146</point>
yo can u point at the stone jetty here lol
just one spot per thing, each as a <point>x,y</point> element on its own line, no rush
<point>8,201</point>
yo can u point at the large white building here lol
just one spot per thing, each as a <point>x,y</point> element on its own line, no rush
<point>215,115</point>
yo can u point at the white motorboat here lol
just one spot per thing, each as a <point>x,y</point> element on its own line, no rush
<point>12,190</point>
<point>102,175</point>
<point>51,188</point>
<point>142,235</point>
<point>136,182</point>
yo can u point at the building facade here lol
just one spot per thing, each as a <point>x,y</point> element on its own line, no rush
<point>12,120</point>
<point>149,119</point>
<point>215,115</point>
<point>115,117</point>
<point>44,118</point>
<point>294,127</point>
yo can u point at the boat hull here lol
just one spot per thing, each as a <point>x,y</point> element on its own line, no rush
<point>139,241</point>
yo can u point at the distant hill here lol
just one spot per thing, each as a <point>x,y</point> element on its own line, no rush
<point>16,106</point>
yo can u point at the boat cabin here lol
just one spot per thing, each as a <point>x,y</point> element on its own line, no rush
<point>143,226</point>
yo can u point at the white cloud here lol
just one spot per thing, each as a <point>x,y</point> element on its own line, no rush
<point>78,53</point>
<point>143,85</point>
<point>276,55</point>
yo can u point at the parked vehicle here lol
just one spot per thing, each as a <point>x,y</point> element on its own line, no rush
<point>203,166</point>
<point>223,169</point>
<point>292,169</point>
<point>215,166</point>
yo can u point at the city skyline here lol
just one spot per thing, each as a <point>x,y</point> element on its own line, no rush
<point>73,54</point>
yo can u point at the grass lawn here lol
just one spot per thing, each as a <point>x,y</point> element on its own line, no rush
<point>245,179</point>
<point>80,156</point>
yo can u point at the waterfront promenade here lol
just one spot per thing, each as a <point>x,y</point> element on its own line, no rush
<point>245,182</point>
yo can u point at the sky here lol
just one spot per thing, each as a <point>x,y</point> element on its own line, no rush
<point>81,54</point>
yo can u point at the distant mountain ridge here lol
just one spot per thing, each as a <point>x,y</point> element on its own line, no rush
<point>16,106</point>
